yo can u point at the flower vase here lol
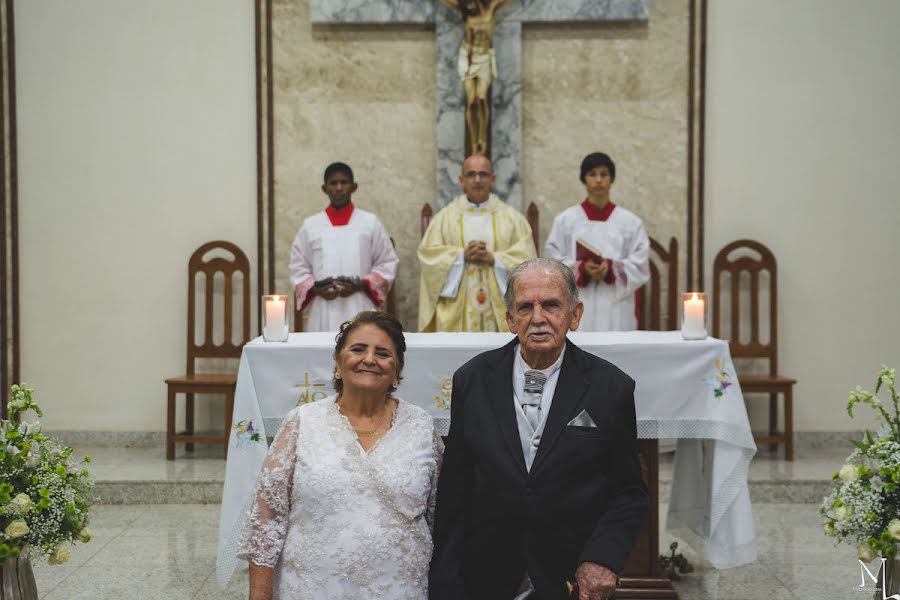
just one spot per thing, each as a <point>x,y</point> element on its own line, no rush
<point>888,579</point>
<point>17,578</point>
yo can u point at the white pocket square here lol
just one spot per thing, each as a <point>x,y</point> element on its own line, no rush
<point>583,420</point>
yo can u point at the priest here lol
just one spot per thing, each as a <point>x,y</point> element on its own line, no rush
<point>342,259</point>
<point>607,248</point>
<point>467,253</point>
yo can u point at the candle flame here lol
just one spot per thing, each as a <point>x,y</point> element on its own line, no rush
<point>694,296</point>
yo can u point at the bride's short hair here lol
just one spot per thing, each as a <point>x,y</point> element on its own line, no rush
<point>387,323</point>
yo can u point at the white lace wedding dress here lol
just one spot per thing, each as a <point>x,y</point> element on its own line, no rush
<point>336,522</point>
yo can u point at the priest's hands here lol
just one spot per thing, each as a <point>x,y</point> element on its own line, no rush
<point>595,582</point>
<point>476,252</point>
<point>596,271</point>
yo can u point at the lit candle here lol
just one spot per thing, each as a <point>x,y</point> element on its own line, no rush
<point>692,326</point>
<point>276,324</point>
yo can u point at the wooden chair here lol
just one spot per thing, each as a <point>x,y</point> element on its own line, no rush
<point>754,259</point>
<point>535,222</point>
<point>532,214</point>
<point>390,304</point>
<point>219,383</point>
<point>658,312</point>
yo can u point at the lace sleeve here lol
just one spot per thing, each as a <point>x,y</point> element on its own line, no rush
<point>267,520</point>
<point>438,449</point>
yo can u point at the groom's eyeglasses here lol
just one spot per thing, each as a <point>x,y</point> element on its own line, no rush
<point>474,174</point>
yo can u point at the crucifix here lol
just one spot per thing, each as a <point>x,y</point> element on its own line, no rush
<point>477,67</point>
<point>505,110</point>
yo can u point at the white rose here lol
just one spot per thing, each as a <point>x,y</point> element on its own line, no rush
<point>865,553</point>
<point>894,528</point>
<point>29,428</point>
<point>848,473</point>
<point>829,529</point>
<point>22,504</point>
<point>17,529</point>
<point>842,513</point>
<point>60,554</point>
<point>84,535</point>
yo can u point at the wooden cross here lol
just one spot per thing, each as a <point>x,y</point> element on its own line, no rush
<point>506,90</point>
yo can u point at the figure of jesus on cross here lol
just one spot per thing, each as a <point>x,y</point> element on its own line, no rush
<point>477,67</point>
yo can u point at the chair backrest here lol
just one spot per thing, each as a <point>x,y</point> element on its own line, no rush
<point>532,214</point>
<point>426,215</point>
<point>658,312</point>
<point>208,267</point>
<point>732,262</point>
<point>535,222</point>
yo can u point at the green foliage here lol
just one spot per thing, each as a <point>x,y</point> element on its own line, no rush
<point>864,505</point>
<point>45,497</point>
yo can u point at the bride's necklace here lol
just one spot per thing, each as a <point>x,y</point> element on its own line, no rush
<point>369,432</point>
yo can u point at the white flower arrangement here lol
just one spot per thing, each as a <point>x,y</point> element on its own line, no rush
<point>45,497</point>
<point>864,505</point>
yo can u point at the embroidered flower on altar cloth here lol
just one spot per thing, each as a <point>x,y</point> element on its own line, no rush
<point>722,379</point>
<point>244,432</point>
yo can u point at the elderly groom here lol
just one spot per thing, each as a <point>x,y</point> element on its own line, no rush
<point>541,483</point>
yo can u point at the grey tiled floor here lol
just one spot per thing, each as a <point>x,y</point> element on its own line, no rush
<point>168,552</point>
<point>206,464</point>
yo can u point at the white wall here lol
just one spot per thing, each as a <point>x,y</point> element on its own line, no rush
<point>136,145</point>
<point>803,148</point>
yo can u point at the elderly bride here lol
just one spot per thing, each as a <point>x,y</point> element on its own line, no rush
<point>346,494</point>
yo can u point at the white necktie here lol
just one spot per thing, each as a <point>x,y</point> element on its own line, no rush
<point>531,398</point>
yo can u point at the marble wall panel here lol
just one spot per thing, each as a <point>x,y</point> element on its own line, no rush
<point>615,88</point>
<point>364,96</point>
<point>367,96</point>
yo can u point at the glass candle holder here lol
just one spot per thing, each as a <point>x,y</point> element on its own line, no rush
<point>275,318</point>
<point>693,316</point>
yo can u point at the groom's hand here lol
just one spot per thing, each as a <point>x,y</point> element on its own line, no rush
<point>595,582</point>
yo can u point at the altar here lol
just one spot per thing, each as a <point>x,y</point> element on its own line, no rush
<point>685,390</point>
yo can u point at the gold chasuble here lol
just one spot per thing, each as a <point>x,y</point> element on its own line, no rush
<point>478,302</point>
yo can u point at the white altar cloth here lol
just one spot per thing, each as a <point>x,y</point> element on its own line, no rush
<point>686,390</point>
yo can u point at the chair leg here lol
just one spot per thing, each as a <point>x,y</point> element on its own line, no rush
<point>789,423</point>
<point>229,415</point>
<point>170,424</point>
<point>189,420</point>
<point>773,419</point>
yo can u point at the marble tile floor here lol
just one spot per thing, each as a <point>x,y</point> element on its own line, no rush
<point>141,475</point>
<point>151,552</point>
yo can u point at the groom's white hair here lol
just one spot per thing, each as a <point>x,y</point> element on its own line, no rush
<point>541,264</point>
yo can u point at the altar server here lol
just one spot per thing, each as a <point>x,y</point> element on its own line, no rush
<point>607,248</point>
<point>467,253</point>
<point>342,259</point>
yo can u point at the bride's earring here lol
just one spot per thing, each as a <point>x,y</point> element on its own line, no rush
<point>337,374</point>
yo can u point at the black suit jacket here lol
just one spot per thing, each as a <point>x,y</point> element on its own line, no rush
<point>583,500</point>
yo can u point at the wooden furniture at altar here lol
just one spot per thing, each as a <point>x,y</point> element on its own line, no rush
<point>657,300</point>
<point>208,261</point>
<point>642,576</point>
<point>753,259</point>
<point>532,214</point>
<point>390,304</point>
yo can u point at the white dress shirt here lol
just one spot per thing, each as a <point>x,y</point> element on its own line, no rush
<point>529,437</point>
